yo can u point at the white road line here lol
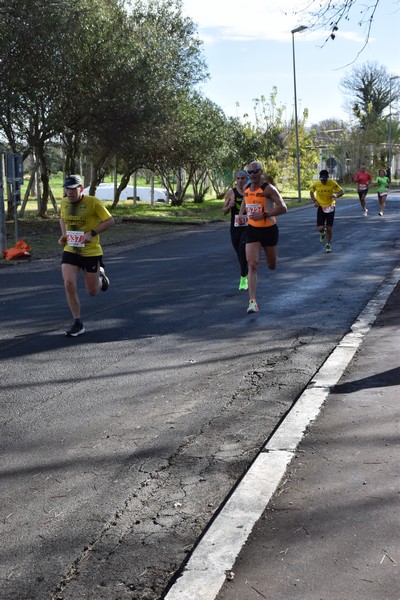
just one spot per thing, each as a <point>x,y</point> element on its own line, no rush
<point>205,572</point>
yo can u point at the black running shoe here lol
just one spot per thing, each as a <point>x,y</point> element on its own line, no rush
<point>76,329</point>
<point>105,282</point>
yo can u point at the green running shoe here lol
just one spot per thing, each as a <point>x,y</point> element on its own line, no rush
<point>243,285</point>
<point>328,248</point>
<point>322,236</point>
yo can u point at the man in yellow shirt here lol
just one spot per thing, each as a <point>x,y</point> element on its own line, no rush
<point>324,193</point>
<point>82,219</point>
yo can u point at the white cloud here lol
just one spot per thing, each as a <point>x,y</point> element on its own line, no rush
<point>223,20</point>
<point>236,20</point>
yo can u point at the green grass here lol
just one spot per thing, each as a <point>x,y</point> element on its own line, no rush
<point>209,210</point>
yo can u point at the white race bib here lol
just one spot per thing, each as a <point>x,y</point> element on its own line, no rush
<point>362,187</point>
<point>253,209</point>
<point>328,209</point>
<point>76,239</point>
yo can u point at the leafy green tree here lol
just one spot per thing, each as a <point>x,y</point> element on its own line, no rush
<point>46,70</point>
<point>229,156</point>
<point>371,92</point>
<point>88,72</point>
<point>273,141</point>
<point>188,144</point>
<point>308,154</point>
<point>163,62</point>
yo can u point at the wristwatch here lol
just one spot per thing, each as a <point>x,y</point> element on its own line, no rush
<point>93,232</point>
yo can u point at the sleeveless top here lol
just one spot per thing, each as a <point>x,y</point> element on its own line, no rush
<point>235,209</point>
<point>256,202</point>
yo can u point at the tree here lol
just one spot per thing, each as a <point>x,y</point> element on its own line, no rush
<point>329,14</point>
<point>162,61</point>
<point>88,72</point>
<point>308,155</point>
<point>187,146</point>
<point>370,92</point>
<point>48,68</point>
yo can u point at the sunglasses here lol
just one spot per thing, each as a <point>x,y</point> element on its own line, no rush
<point>253,171</point>
<point>241,177</point>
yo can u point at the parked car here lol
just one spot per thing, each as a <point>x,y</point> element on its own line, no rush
<point>105,191</point>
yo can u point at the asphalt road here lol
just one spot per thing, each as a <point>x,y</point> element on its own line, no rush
<point>119,446</point>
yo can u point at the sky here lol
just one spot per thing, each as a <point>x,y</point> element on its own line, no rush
<point>247,47</point>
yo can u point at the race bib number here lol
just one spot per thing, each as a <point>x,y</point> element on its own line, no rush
<point>76,239</point>
<point>383,193</point>
<point>362,187</point>
<point>244,221</point>
<point>328,209</point>
<point>253,209</point>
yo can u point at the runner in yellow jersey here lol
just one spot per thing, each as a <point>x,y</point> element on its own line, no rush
<point>324,193</point>
<point>82,219</point>
<point>262,203</point>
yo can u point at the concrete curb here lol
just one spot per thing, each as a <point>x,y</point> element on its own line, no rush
<point>214,556</point>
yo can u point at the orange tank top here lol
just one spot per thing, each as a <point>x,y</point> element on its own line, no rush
<point>256,202</point>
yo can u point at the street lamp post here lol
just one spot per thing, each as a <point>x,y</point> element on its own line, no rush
<point>390,122</point>
<point>297,30</point>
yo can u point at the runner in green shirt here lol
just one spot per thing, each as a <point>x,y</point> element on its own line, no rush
<point>383,183</point>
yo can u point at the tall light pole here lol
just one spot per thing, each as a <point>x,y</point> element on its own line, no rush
<point>296,126</point>
<point>390,123</point>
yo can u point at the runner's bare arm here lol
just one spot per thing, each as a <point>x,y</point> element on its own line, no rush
<point>104,225</point>
<point>229,201</point>
<point>63,239</point>
<point>241,211</point>
<point>280,208</point>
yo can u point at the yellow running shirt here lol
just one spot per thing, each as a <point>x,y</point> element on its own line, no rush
<point>324,191</point>
<point>81,217</point>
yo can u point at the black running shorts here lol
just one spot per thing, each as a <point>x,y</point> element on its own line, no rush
<point>266,236</point>
<point>325,218</point>
<point>86,263</point>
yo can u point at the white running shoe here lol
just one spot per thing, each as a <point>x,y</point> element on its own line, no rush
<point>253,307</point>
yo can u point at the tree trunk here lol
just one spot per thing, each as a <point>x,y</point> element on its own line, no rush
<point>122,185</point>
<point>28,191</point>
<point>44,177</point>
<point>71,148</point>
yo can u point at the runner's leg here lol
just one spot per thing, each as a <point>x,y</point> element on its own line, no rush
<point>271,256</point>
<point>253,260</point>
<point>242,254</point>
<point>93,282</point>
<point>70,276</point>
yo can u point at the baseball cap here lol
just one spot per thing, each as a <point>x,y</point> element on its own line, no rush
<point>73,181</point>
<point>324,174</point>
<point>242,173</point>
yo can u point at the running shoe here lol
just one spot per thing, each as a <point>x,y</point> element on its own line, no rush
<point>322,236</point>
<point>328,248</point>
<point>105,282</point>
<point>243,285</point>
<point>366,212</point>
<point>380,214</point>
<point>253,307</point>
<point>76,329</point>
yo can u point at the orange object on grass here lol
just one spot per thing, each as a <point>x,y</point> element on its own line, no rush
<point>20,250</point>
